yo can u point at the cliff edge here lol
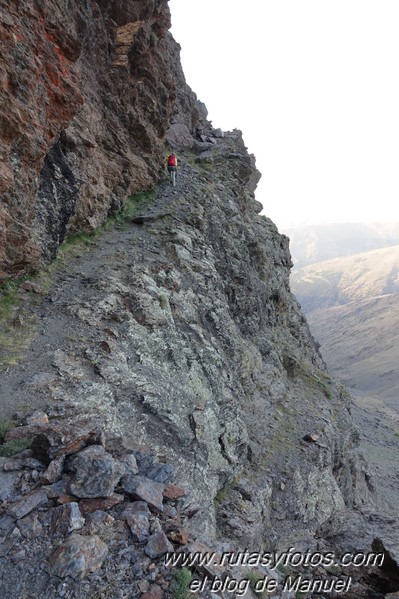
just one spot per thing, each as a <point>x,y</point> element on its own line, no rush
<point>171,395</point>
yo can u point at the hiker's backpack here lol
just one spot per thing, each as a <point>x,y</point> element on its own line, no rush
<point>172,160</point>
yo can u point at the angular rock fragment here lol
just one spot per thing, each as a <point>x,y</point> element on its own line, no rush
<point>161,473</point>
<point>90,505</point>
<point>172,492</point>
<point>180,536</point>
<point>78,556</point>
<point>12,464</point>
<point>313,438</point>
<point>27,504</point>
<point>158,544</point>
<point>66,518</point>
<point>37,418</point>
<point>95,472</point>
<point>143,488</point>
<point>55,441</point>
<point>137,515</point>
<point>154,592</point>
<point>56,489</point>
<point>53,472</point>
<point>130,463</point>
<point>30,526</point>
<point>8,482</point>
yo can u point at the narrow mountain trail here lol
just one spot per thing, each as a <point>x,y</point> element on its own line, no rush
<point>177,332</point>
<point>58,338</point>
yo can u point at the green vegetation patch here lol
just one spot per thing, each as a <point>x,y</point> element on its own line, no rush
<point>73,244</point>
<point>17,327</point>
<point>221,495</point>
<point>17,324</point>
<point>319,380</point>
<point>132,206</point>
<point>181,583</point>
<point>10,448</point>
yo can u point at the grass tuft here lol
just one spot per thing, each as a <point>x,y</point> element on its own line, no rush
<point>181,583</point>
<point>10,448</point>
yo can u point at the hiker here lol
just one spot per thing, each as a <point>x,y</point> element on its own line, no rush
<point>171,163</point>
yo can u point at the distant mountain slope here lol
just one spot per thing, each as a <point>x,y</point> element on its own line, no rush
<point>352,306</point>
<point>343,280</point>
<point>322,242</point>
<point>360,343</point>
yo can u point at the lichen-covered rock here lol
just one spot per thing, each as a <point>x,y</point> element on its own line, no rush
<point>78,556</point>
<point>179,331</point>
<point>144,489</point>
<point>96,473</point>
<point>136,515</point>
<point>27,504</point>
<point>8,482</point>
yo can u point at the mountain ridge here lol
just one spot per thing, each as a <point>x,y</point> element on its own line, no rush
<point>319,243</point>
<point>349,278</point>
<point>173,345</point>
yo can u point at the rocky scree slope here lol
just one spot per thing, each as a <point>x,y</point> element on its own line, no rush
<point>88,92</point>
<point>179,337</point>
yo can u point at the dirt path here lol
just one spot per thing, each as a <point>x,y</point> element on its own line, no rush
<point>56,338</point>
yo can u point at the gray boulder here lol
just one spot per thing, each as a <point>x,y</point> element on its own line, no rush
<point>96,472</point>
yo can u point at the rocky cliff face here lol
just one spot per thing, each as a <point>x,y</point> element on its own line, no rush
<point>173,339</point>
<point>87,94</point>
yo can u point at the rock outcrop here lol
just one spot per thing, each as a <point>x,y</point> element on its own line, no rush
<point>87,94</point>
<point>183,402</point>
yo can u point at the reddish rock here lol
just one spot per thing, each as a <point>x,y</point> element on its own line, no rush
<point>154,592</point>
<point>172,491</point>
<point>66,518</point>
<point>64,498</point>
<point>88,93</point>
<point>53,473</point>
<point>68,78</point>
<point>179,536</point>
<point>58,440</point>
<point>105,346</point>
<point>88,506</point>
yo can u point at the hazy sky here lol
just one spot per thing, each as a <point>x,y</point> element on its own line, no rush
<point>314,86</point>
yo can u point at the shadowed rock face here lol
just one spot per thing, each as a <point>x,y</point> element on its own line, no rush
<point>87,93</point>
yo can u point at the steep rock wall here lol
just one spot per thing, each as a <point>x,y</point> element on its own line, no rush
<point>178,334</point>
<point>87,94</point>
